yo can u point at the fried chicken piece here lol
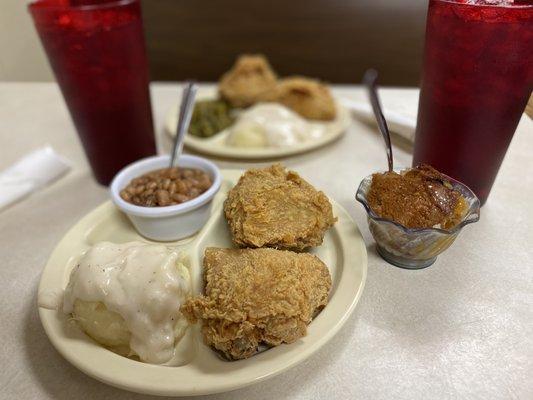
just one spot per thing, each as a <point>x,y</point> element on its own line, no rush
<point>274,207</point>
<point>250,77</point>
<point>257,296</point>
<point>308,97</point>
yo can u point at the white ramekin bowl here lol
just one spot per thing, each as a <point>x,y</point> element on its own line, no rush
<point>172,222</point>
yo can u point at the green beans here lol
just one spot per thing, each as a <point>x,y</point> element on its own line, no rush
<point>210,117</point>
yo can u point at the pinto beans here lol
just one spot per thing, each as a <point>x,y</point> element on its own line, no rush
<point>165,187</point>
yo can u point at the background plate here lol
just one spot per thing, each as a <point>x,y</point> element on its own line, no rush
<point>343,252</point>
<point>216,145</point>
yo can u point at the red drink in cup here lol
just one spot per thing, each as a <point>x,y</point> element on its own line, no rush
<point>478,76</point>
<point>96,49</point>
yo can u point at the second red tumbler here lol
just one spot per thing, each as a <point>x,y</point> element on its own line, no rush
<point>478,76</point>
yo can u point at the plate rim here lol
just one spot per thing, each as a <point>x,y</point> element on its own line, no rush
<point>46,316</point>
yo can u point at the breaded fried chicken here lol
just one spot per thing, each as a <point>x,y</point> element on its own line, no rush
<point>308,97</point>
<point>257,296</point>
<point>274,207</point>
<point>246,82</point>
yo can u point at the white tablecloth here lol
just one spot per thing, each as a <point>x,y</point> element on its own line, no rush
<point>462,328</point>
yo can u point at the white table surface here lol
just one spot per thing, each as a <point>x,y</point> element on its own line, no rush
<point>462,328</point>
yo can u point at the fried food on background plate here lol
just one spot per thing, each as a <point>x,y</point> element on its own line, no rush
<point>274,207</point>
<point>247,81</point>
<point>257,297</point>
<point>308,97</point>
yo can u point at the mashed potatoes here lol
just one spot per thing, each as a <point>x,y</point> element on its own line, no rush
<point>127,297</point>
<point>272,125</point>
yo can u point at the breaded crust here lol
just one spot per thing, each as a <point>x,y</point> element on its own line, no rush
<point>274,207</point>
<point>257,296</point>
<point>308,97</point>
<point>246,82</point>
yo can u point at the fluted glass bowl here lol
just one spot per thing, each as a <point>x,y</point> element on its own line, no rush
<point>414,248</point>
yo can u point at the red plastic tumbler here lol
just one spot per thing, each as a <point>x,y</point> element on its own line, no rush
<point>478,76</point>
<point>97,52</point>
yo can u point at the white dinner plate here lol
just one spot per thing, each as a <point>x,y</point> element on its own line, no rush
<point>343,251</point>
<point>216,145</point>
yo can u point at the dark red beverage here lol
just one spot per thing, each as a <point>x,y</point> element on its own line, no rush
<point>478,75</point>
<point>96,49</point>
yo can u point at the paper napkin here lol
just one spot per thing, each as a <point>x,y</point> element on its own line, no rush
<point>400,109</point>
<point>32,172</point>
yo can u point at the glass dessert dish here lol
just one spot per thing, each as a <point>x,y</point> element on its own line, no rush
<point>415,248</point>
